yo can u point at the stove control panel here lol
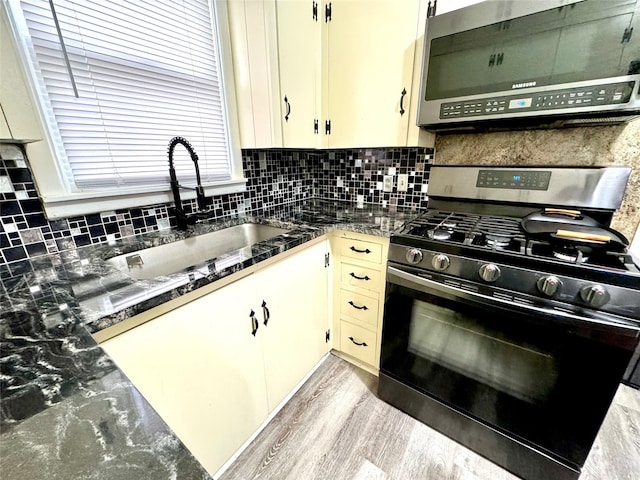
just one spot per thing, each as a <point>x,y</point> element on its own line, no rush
<point>514,180</point>
<point>517,284</point>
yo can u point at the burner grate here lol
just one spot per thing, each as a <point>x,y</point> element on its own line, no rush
<point>494,233</point>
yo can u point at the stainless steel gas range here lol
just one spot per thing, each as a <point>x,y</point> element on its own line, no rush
<point>511,313</point>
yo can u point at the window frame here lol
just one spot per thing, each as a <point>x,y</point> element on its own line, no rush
<point>59,198</point>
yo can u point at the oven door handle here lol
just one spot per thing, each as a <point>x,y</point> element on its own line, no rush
<point>400,277</point>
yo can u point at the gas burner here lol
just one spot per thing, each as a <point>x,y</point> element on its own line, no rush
<point>440,234</point>
<point>570,254</point>
<point>498,242</point>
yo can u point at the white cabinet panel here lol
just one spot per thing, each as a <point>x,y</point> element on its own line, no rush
<point>295,291</point>
<point>208,376</point>
<point>299,71</point>
<point>370,63</point>
<point>5,133</point>
<point>201,369</point>
<point>254,46</point>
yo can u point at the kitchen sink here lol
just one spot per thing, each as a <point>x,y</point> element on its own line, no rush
<point>176,256</point>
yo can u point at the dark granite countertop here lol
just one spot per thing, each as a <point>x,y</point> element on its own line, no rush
<point>67,411</point>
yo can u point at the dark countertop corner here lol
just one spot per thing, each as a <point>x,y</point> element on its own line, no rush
<point>67,411</point>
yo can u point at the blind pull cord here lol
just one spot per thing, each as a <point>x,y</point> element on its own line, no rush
<point>64,49</point>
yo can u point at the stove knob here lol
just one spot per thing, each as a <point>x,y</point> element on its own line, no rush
<point>594,295</point>
<point>489,272</point>
<point>549,285</point>
<point>440,262</point>
<point>414,255</point>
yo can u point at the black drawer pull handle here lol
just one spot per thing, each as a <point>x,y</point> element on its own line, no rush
<point>254,323</point>
<point>363,344</point>
<point>403,93</point>
<point>265,312</point>
<point>360,251</point>
<point>359,278</point>
<point>286,101</point>
<point>364,307</point>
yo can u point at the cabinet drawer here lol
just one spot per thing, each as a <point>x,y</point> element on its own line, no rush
<point>358,342</point>
<point>360,249</point>
<point>362,277</point>
<point>359,307</point>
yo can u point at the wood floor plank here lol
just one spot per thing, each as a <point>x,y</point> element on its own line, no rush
<point>336,428</point>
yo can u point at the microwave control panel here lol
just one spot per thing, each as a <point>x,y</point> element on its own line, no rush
<point>550,100</point>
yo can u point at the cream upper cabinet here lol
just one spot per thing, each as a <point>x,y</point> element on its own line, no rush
<point>371,57</point>
<point>356,72</point>
<point>299,60</point>
<point>254,46</point>
<point>5,133</point>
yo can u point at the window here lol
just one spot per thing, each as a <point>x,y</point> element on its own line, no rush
<point>117,80</point>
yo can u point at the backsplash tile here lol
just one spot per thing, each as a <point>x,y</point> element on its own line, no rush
<point>274,177</point>
<point>347,174</point>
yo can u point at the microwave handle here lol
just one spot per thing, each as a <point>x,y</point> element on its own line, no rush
<point>416,282</point>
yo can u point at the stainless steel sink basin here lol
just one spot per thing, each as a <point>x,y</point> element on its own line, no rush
<point>174,257</point>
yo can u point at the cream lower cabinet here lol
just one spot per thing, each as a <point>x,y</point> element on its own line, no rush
<point>359,272</point>
<point>295,292</point>
<point>208,377</point>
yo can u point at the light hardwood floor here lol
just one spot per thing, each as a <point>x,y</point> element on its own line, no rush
<point>336,428</point>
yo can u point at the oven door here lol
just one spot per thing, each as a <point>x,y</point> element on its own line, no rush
<point>543,377</point>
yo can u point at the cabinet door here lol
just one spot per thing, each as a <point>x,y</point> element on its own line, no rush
<point>202,370</point>
<point>370,63</point>
<point>254,44</point>
<point>300,75</point>
<point>5,133</point>
<point>295,292</point>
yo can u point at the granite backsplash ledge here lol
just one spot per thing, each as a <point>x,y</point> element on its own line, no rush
<point>585,146</point>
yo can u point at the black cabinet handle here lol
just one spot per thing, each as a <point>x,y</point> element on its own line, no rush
<point>265,312</point>
<point>492,59</point>
<point>286,115</point>
<point>354,249</point>
<point>363,344</point>
<point>254,323</point>
<point>499,58</point>
<point>314,15</point>
<point>403,93</point>
<point>364,307</point>
<point>359,278</point>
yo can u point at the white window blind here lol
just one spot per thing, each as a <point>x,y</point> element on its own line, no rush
<point>145,71</point>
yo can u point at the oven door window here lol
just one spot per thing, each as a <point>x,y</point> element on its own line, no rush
<point>528,377</point>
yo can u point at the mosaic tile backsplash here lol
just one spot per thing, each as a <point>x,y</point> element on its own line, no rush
<point>274,177</point>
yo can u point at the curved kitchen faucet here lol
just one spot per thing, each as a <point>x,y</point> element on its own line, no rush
<point>182,218</point>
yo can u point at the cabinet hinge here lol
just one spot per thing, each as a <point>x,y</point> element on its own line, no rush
<point>327,336</point>
<point>626,36</point>
<point>327,127</point>
<point>327,260</point>
<point>431,9</point>
<point>315,11</point>
<point>315,126</point>
<point>327,12</point>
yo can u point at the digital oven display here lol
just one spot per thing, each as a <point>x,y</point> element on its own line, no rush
<point>514,180</point>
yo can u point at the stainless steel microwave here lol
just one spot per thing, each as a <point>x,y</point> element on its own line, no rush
<point>531,63</point>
